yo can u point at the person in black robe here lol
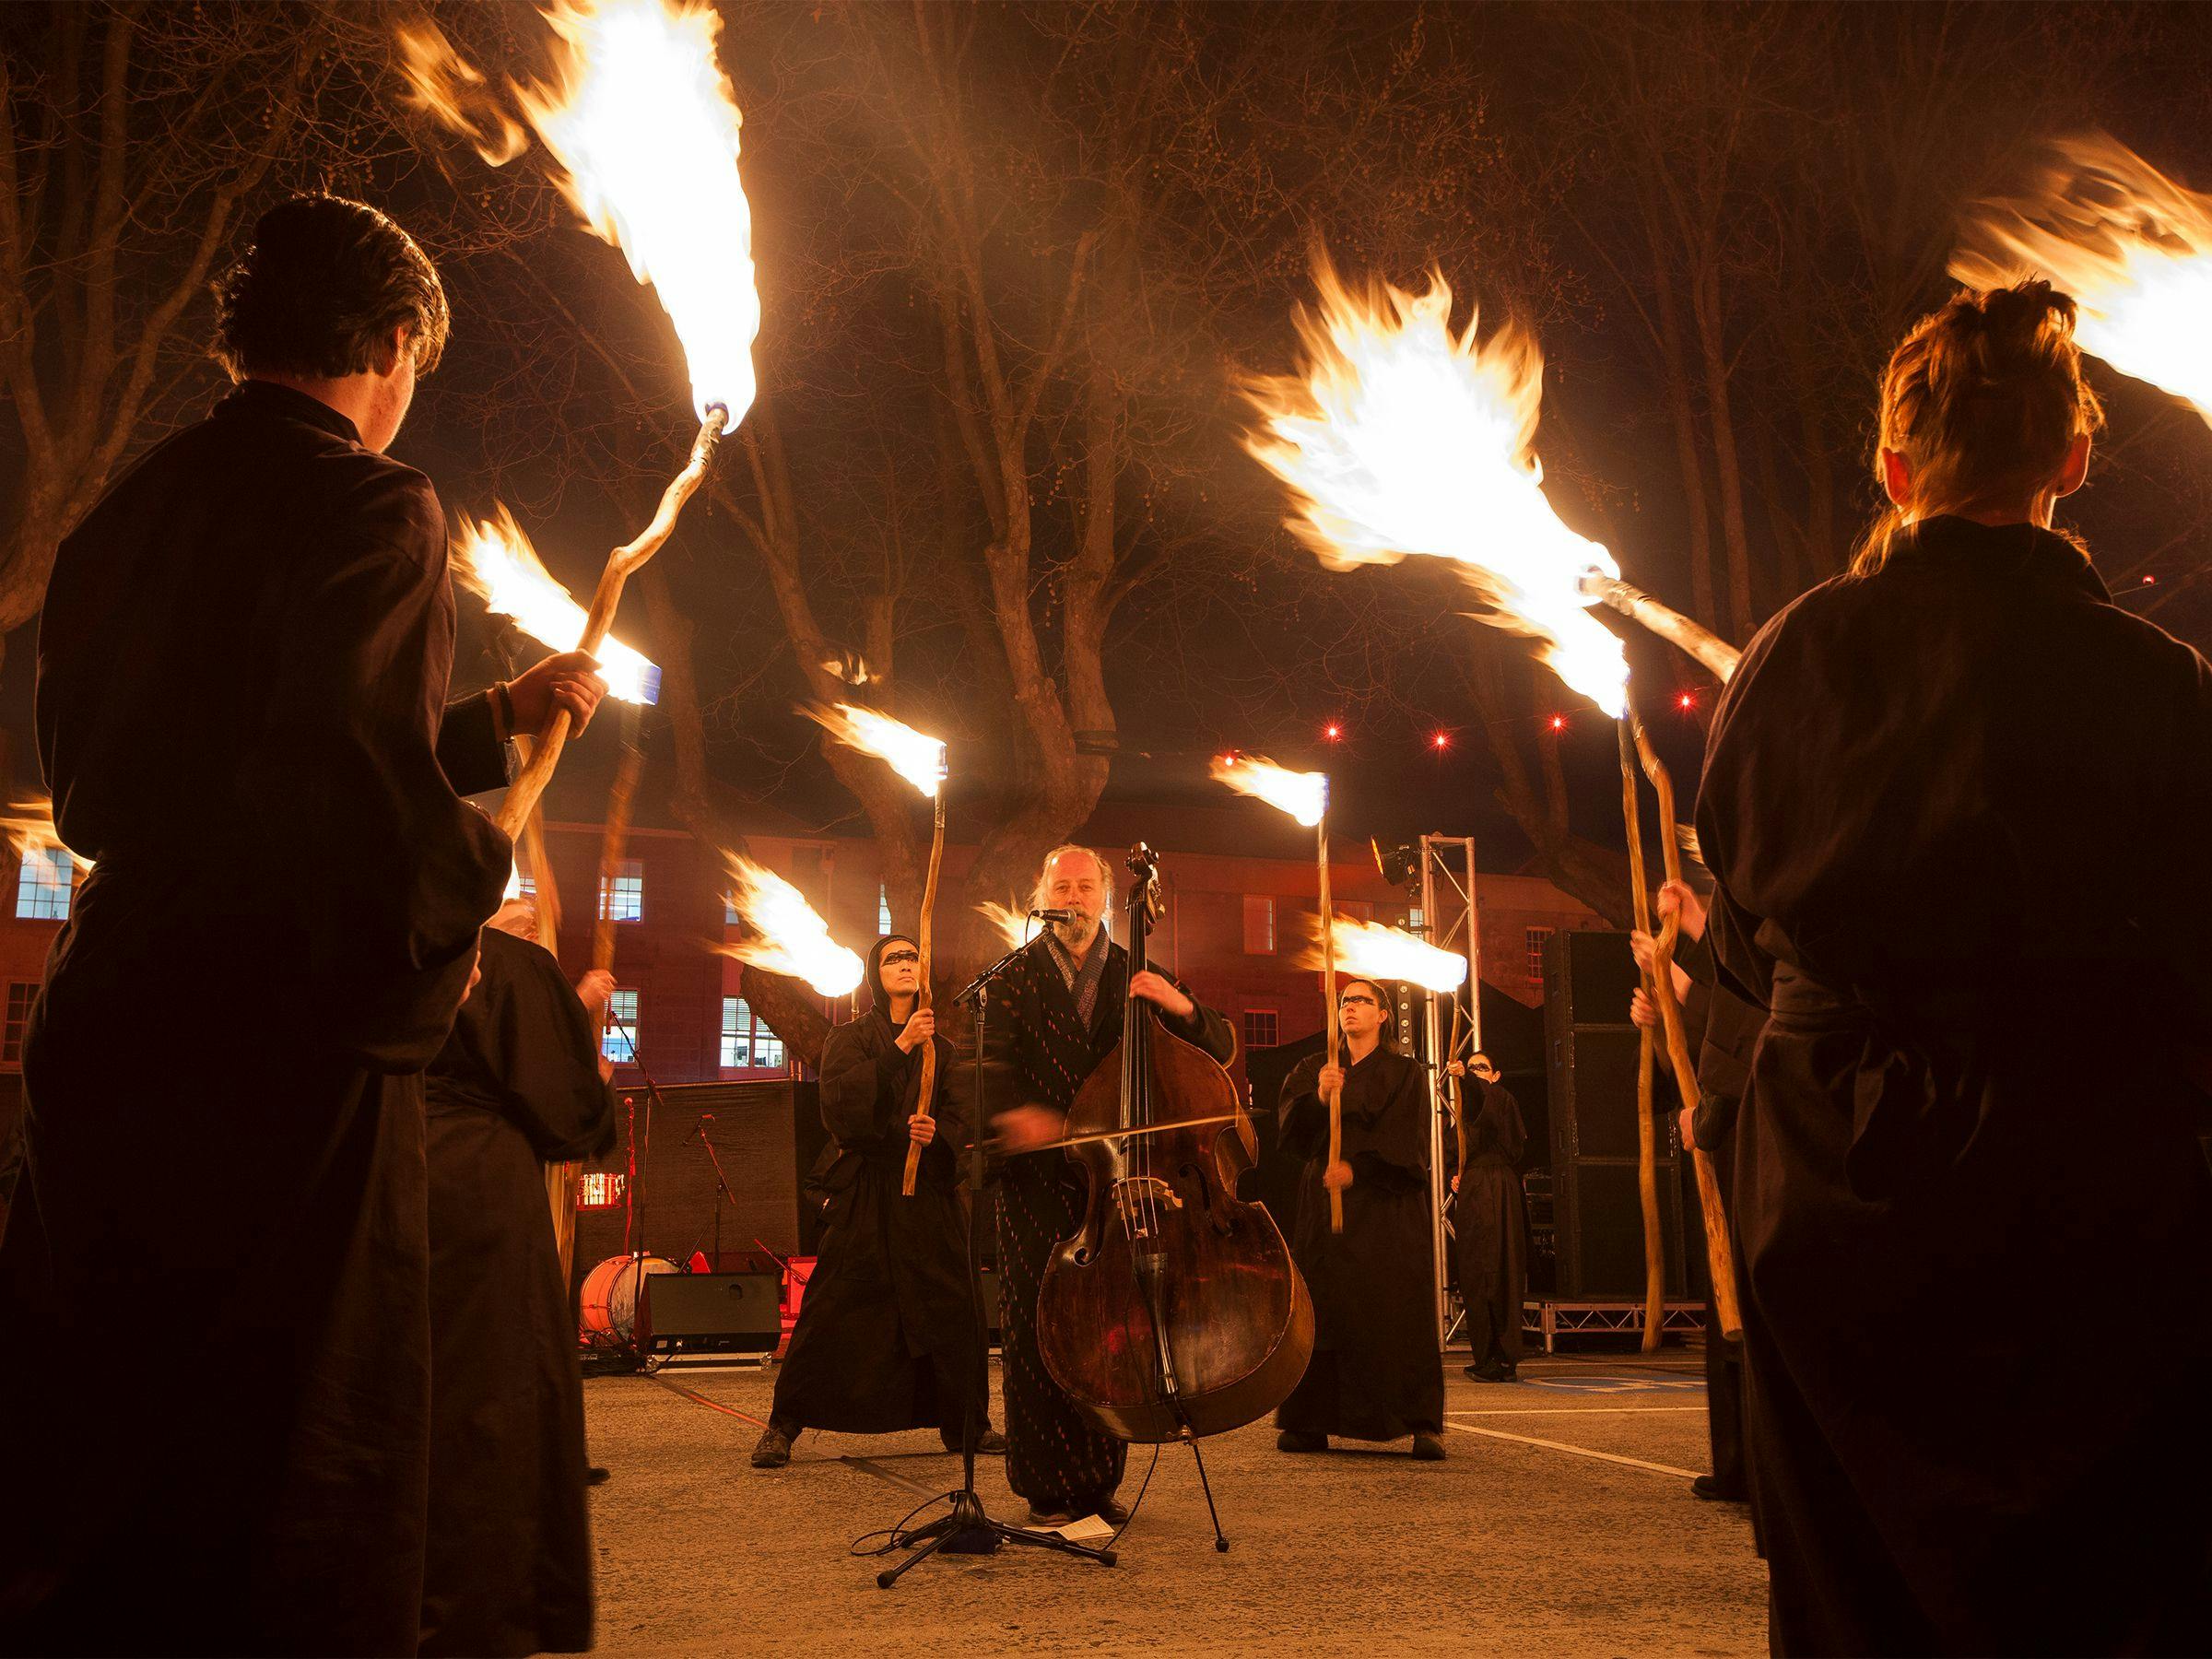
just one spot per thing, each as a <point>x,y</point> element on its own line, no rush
<point>242,659</point>
<point>517,1085</point>
<point>885,1339</point>
<point>1958,805</point>
<point>1489,1220</point>
<point>1054,1020</point>
<point>1377,1373</point>
<point>1720,1028</point>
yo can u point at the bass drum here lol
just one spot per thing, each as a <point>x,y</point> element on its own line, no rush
<point>610,1299</point>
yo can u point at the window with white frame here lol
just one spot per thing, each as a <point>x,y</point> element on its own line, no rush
<point>1261,1028</point>
<point>619,1039</point>
<point>1534,943</point>
<point>43,886</point>
<point>21,993</point>
<point>730,918</point>
<point>747,1043</point>
<point>883,908</point>
<point>1259,925</point>
<point>622,892</point>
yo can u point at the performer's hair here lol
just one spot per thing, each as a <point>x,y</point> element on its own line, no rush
<point>1039,897</point>
<point>1983,398</point>
<point>1390,1013</point>
<point>320,289</point>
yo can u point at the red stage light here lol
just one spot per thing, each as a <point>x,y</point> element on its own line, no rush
<point>1557,723</point>
<point>2150,581</point>
<point>1332,731</point>
<point>1441,740</point>
<point>1687,701</point>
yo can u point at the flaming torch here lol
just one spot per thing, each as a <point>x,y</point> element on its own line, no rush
<point>29,827</point>
<point>1305,796</point>
<point>2130,244</point>
<point>1009,922</point>
<point>493,558</point>
<point>643,130</point>
<point>1373,951</point>
<point>1400,437</point>
<point>783,934</point>
<point>920,762</point>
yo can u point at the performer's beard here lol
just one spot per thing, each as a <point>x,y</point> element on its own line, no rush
<point>1078,935</point>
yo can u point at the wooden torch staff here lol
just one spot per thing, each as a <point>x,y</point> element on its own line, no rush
<point>1328,997</point>
<point>622,564</point>
<point>1647,1129</point>
<point>1719,1254</point>
<point>922,995</point>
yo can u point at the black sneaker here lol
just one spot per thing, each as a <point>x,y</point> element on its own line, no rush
<point>1295,1440</point>
<point>992,1443</point>
<point>772,1451</point>
<point>1712,1491</point>
<point>1428,1447</point>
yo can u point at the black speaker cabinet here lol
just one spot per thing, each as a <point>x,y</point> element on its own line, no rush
<point>741,1312</point>
<point>1591,1052</point>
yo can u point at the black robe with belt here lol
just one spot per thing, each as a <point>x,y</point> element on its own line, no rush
<point>1489,1220</point>
<point>885,1337</point>
<point>1039,1050</point>
<point>1377,1373</point>
<point>242,661</point>
<point>507,1569</point>
<point>1959,812</point>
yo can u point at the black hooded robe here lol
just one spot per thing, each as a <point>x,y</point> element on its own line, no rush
<point>1040,1052</point>
<point>885,1337</point>
<point>1958,813</point>
<point>507,1569</point>
<point>1490,1221</point>
<point>240,664</point>
<point>1377,1373</point>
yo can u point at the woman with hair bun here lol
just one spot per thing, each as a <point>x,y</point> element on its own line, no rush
<point>1958,806</point>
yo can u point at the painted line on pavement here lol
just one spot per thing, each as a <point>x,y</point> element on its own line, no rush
<point>1530,1440</point>
<point>1577,1411</point>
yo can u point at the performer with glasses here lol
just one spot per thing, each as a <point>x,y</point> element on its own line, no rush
<point>885,1337</point>
<point>1376,1373</point>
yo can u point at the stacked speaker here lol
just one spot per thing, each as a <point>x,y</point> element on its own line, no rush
<point>1591,1060</point>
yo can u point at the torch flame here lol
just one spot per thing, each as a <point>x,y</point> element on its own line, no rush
<point>785,935</point>
<point>641,118</point>
<point>2131,245</point>
<point>29,826</point>
<point>919,759</point>
<point>1304,795</point>
<point>1012,923</point>
<point>1400,437</point>
<point>1370,950</point>
<point>443,84</point>
<point>493,557</point>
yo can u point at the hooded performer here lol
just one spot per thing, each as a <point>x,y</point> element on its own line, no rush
<point>885,1337</point>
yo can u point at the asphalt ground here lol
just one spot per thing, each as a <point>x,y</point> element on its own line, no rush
<point>1561,1522</point>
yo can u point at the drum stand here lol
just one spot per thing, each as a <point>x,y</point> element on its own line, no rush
<point>968,1530</point>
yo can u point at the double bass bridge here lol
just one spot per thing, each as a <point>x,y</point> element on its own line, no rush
<point>1139,1197</point>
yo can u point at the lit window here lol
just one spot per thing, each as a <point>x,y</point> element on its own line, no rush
<point>600,1189</point>
<point>21,993</point>
<point>619,1039</point>
<point>883,908</point>
<point>1260,1028</point>
<point>1259,925</point>
<point>1414,919</point>
<point>43,888</point>
<point>622,894</point>
<point>747,1043</point>
<point>1537,935</point>
<point>526,884</point>
<point>730,918</point>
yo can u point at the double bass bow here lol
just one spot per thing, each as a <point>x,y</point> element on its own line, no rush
<point>1175,1310</point>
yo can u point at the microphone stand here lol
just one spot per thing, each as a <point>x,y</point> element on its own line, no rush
<point>968,1530</point>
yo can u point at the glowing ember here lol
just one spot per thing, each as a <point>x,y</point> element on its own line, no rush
<point>917,759</point>
<point>1401,438</point>
<point>1370,950</point>
<point>29,826</point>
<point>642,117</point>
<point>1304,795</point>
<point>493,557</point>
<point>2133,247</point>
<point>1010,922</point>
<point>783,934</point>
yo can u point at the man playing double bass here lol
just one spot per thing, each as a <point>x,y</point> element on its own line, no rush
<point>1054,1019</point>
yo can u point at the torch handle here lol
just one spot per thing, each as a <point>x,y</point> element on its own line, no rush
<point>1328,993</point>
<point>1718,656</point>
<point>922,994</point>
<point>1720,1252</point>
<point>1647,1129</point>
<point>610,857</point>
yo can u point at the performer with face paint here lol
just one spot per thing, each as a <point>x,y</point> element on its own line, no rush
<point>885,1337</point>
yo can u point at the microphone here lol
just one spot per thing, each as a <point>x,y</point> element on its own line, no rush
<point>1055,915</point>
<point>699,1124</point>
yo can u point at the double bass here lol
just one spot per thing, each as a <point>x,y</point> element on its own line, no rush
<point>1175,1310</point>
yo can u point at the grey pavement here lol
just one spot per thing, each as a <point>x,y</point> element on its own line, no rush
<point>1560,1523</point>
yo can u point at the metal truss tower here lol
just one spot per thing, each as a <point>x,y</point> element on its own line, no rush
<point>1450,921</point>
